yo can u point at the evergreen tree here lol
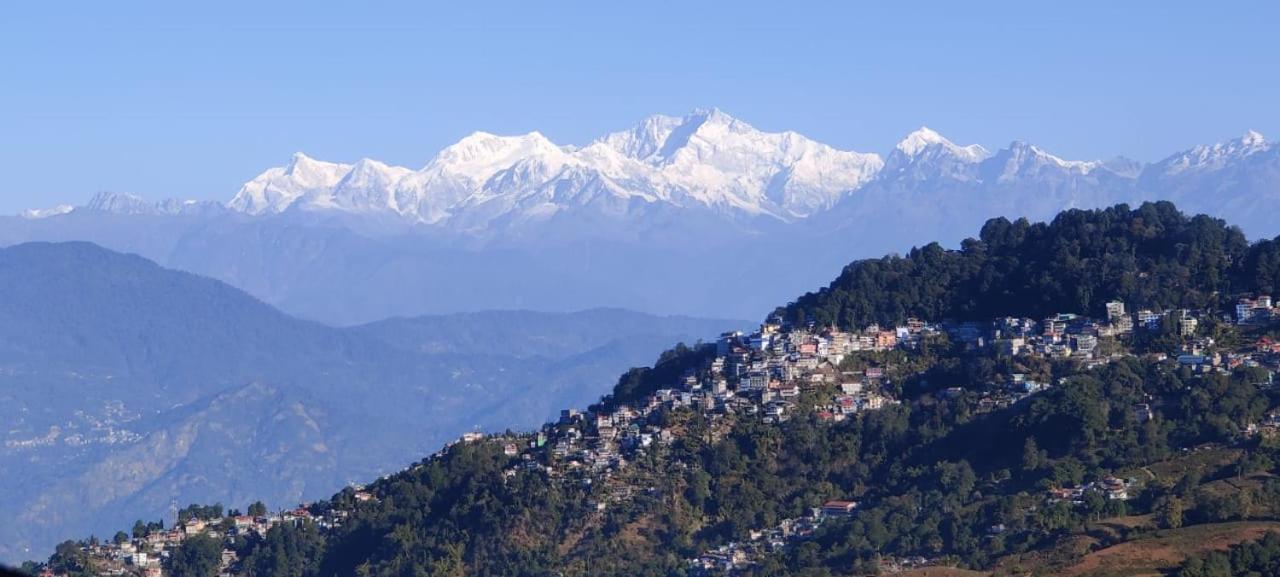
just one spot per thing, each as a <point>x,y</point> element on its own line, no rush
<point>197,556</point>
<point>1170,512</point>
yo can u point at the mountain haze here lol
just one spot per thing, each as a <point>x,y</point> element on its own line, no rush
<point>124,383</point>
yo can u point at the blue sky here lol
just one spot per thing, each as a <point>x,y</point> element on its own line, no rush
<point>175,99</point>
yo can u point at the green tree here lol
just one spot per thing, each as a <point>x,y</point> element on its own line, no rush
<point>286,551</point>
<point>198,556</point>
<point>69,559</point>
<point>1170,512</point>
<point>1031,456</point>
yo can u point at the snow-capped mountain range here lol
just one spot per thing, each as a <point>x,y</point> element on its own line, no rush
<point>740,217</point>
<point>711,163</point>
<point>706,159</point>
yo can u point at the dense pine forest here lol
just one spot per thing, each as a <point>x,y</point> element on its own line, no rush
<point>950,472</point>
<point>1152,256</point>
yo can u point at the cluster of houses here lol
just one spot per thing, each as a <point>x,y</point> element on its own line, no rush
<point>759,375</point>
<point>736,556</point>
<point>766,371</point>
<point>1064,335</point>
<point>1076,336</point>
<point>1112,488</point>
<point>147,555</point>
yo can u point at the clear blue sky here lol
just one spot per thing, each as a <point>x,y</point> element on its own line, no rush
<point>174,99</point>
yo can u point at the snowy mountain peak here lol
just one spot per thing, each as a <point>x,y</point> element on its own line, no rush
<point>312,172</point>
<point>918,140</point>
<point>1025,152</point>
<point>304,167</point>
<point>1024,162</point>
<point>1250,142</point>
<point>368,168</point>
<point>644,139</point>
<point>712,115</point>
<point>481,154</point>
<point>277,188</point>
<point>1212,157</point>
<point>132,204</point>
<point>39,213</point>
<point>925,139</point>
<point>119,203</point>
<point>368,186</point>
<point>658,137</point>
<point>1020,146</point>
<point>709,122</point>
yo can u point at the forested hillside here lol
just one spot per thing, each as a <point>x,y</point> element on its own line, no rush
<point>1152,257</point>
<point>1024,421</point>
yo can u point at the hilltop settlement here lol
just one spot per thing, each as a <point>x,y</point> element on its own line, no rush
<point>772,375</point>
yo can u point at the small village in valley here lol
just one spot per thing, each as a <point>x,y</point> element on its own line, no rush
<point>776,373</point>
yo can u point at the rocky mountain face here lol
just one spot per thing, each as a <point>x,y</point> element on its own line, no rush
<point>124,385</point>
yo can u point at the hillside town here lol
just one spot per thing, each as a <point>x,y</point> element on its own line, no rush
<point>774,374</point>
<point>148,549</point>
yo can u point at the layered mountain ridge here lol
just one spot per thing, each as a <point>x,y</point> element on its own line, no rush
<point>126,385</point>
